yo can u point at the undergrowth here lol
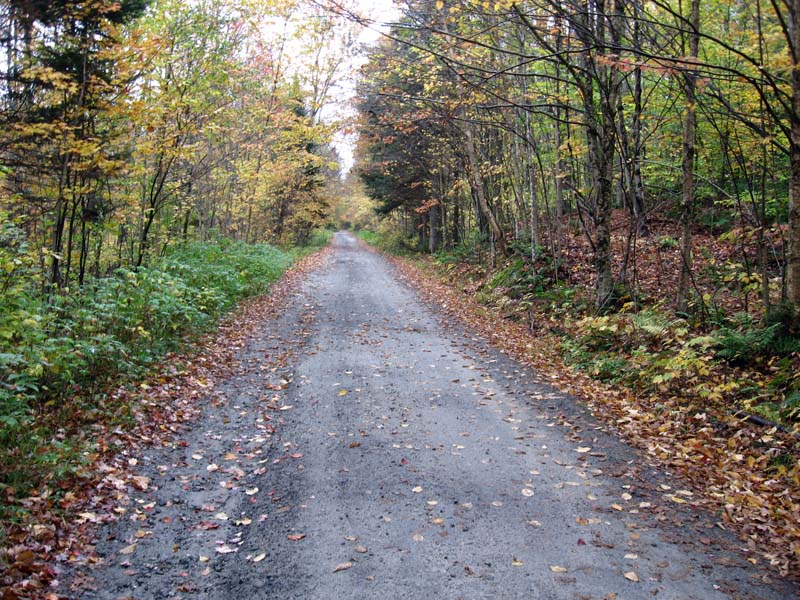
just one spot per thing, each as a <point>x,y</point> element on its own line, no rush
<point>60,352</point>
<point>737,362</point>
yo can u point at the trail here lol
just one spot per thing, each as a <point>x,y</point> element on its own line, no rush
<point>368,449</point>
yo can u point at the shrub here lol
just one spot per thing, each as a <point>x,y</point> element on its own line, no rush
<point>58,353</point>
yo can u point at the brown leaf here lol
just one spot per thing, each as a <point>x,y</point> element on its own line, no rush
<point>342,566</point>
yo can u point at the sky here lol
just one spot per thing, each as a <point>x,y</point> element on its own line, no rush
<point>382,12</point>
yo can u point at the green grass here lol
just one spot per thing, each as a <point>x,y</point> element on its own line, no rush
<point>60,353</point>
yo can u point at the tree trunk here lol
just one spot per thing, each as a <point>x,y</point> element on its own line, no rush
<point>793,235</point>
<point>433,224</point>
<point>480,194</point>
<point>687,200</point>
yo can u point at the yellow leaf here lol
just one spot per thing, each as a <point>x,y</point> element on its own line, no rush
<point>557,569</point>
<point>128,549</point>
<point>631,576</point>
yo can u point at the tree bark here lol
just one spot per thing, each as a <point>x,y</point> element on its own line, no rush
<point>477,187</point>
<point>687,200</point>
<point>793,235</point>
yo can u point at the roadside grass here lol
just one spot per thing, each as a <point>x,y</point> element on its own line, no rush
<point>61,354</point>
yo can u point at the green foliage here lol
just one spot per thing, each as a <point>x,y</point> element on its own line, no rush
<point>744,341</point>
<point>666,242</point>
<point>58,353</point>
<point>319,238</point>
<point>470,250</point>
<point>390,241</point>
<point>604,366</point>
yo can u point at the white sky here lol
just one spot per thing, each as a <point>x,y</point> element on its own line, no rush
<point>382,12</point>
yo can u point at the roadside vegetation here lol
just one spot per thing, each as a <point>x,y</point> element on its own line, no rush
<point>61,355</point>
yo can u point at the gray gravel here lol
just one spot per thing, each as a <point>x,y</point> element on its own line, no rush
<point>417,461</point>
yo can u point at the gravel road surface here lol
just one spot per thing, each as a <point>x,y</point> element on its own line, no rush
<point>368,448</point>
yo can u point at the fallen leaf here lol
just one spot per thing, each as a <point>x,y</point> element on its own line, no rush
<point>515,562</point>
<point>361,549</point>
<point>259,557</point>
<point>355,444</point>
<point>342,566</point>
<point>527,492</point>
<point>583,450</point>
<point>251,491</point>
<point>534,523</point>
<point>417,489</point>
<point>631,576</point>
<point>128,549</point>
<point>342,392</point>
<point>557,569</point>
<point>225,549</point>
<point>140,482</point>
<point>295,537</point>
<point>212,467</point>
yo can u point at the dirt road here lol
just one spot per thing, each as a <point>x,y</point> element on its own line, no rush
<point>367,449</point>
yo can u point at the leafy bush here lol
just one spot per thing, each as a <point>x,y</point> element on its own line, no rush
<point>390,241</point>
<point>744,342</point>
<point>470,250</point>
<point>58,352</point>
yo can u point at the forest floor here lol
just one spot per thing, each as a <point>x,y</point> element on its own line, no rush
<point>361,442</point>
